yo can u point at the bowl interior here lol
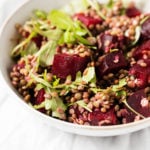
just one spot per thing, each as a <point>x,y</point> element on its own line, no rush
<point>8,32</point>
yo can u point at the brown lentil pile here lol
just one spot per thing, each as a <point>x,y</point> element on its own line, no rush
<point>89,68</point>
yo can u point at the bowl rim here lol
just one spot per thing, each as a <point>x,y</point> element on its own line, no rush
<point>103,131</point>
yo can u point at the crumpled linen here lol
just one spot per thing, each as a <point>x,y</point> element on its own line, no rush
<point>19,130</point>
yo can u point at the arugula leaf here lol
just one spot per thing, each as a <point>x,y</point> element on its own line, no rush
<point>82,40</point>
<point>90,76</point>
<point>144,19</point>
<point>30,48</point>
<point>137,35</point>
<point>53,105</point>
<point>20,47</point>
<point>39,80</point>
<point>55,81</point>
<point>40,14</point>
<point>69,37</point>
<point>60,19</point>
<point>121,84</point>
<point>96,6</point>
<point>46,53</point>
<point>78,77</point>
<point>121,93</point>
<point>75,6</point>
<point>84,105</point>
<point>110,4</point>
<point>39,86</point>
<point>51,34</point>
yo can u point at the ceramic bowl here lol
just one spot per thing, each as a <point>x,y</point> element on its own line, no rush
<point>7,32</point>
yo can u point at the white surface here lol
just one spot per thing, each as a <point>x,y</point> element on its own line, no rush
<point>20,131</point>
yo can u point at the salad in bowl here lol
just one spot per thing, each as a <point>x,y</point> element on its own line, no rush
<point>88,66</point>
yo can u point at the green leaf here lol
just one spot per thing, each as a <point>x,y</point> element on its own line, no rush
<point>51,34</point>
<point>48,104</point>
<point>121,84</point>
<point>39,86</point>
<point>40,14</point>
<point>121,93</point>
<point>20,47</point>
<point>78,77</point>
<point>39,80</point>
<point>95,5</point>
<point>110,4</point>
<point>75,6</point>
<point>82,40</point>
<point>41,105</point>
<point>55,81</point>
<point>29,49</point>
<point>144,19</point>
<point>84,105</point>
<point>137,35</point>
<point>60,19</point>
<point>46,53</point>
<point>90,76</point>
<point>69,37</point>
<point>53,105</point>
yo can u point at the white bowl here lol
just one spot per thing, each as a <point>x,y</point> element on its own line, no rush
<point>7,32</point>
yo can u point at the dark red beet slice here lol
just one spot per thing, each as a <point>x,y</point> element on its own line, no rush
<point>143,49</point>
<point>135,102</point>
<point>111,62</point>
<point>65,64</point>
<point>87,20</point>
<point>107,42</point>
<point>133,12</point>
<point>40,97</point>
<point>96,116</point>
<point>141,74</point>
<point>145,32</point>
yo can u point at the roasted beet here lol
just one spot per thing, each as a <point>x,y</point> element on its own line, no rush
<point>143,49</point>
<point>111,62</point>
<point>145,32</point>
<point>139,102</point>
<point>38,40</point>
<point>106,42</point>
<point>65,64</point>
<point>40,97</point>
<point>96,117</point>
<point>133,12</point>
<point>87,20</point>
<point>141,74</point>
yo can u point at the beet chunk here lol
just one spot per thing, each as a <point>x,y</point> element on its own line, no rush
<point>40,97</point>
<point>141,74</point>
<point>96,117</point>
<point>139,102</point>
<point>88,20</point>
<point>107,42</point>
<point>111,62</point>
<point>145,32</point>
<point>143,49</point>
<point>133,12</point>
<point>65,64</point>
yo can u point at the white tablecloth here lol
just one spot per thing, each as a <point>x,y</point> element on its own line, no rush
<point>20,131</point>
